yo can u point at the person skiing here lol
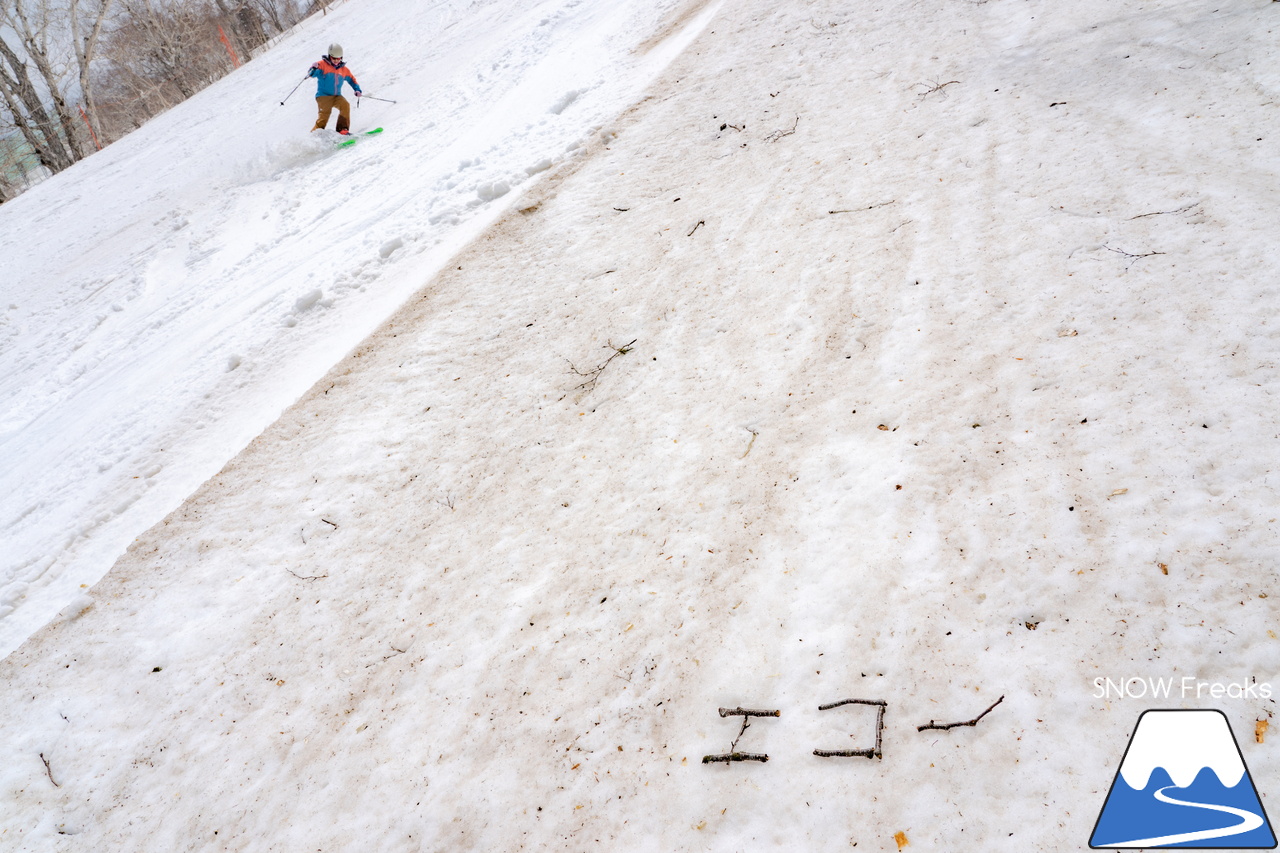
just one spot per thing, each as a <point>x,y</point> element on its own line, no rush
<point>331,72</point>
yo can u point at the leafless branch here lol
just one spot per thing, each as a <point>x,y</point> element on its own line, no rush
<point>934,86</point>
<point>747,712</point>
<point>843,702</point>
<point>734,756</point>
<point>873,752</point>
<point>868,207</point>
<point>1188,207</point>
<point>49,770</point>
<point>1131,255</point>
<point>973,722</point>
<point>779,134</point>
<point>593,375</point>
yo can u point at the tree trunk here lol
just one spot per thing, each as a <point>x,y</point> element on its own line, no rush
<point>38,128</point>
<point>86,49</point>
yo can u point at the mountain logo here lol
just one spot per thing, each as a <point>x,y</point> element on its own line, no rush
<point>1183,783</point>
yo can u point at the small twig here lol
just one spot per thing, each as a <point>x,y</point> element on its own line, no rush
<point>879,702</point>
<point>934,86</point>
<point>394,651</point>
<point>1166,212</point>
<point>880,706</point>
<point>593,375</point>
<point>973,722</point>
<point>701,222</point>
<point>734,756</point>
<point>330,523</point>
<point>868,207</point>
<point>307,578</point>
<point>1130,254</point>
<point>48,770</point>
<point>779,134</point>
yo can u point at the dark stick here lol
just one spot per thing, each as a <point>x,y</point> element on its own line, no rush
<point>852,702</point>
<point>1130,254</point>
<point>695,228</point>
<point>1165,212</point>
<point>733,756</point>
<point>48,770</point>
<point>973,722</point>
<point>748,712</point>
<point>868,207</point>
<point>880,706</point>
<point>779,134</point>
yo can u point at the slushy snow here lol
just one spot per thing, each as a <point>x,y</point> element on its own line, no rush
<point>908,352</point>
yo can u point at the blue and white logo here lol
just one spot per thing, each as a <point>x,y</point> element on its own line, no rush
<point>1183,783</point>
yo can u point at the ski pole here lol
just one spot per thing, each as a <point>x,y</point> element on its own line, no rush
<point>295,88</point>
<point>372,98</point>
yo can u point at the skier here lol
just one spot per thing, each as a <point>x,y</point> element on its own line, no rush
<point>331,72</point>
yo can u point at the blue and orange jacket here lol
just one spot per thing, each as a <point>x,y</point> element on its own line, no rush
<point>331,76</point>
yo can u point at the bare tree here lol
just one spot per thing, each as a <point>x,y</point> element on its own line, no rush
<point>26,107</point>
<point>88,17</point>
<point>280,15</point>
<point>55,137</point>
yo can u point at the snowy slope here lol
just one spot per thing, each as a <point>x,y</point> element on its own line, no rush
<point>164,300</point>
<point>950,375</point>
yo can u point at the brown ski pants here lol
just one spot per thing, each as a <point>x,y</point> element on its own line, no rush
<point>326,103</point>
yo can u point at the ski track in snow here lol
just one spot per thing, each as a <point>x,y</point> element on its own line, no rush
<point>221,259</point>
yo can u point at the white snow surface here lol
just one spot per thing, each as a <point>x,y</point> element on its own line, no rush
<point>164,300</point>
<point>914,352</point>
<point>1183,743</point>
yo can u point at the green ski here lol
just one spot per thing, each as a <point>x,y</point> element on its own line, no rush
<point>356,137</point>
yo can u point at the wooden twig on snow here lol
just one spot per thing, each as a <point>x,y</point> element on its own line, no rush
<point>1130,254</point>
<point>49,770</point>
<point>734,756</point>
<point>874,752</point>
<point>593,375</point>
<point>935,86</point>
<point>973,722</point>
<point>868,207</point>
<point>1166,212</point>
<point>779,134</point>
